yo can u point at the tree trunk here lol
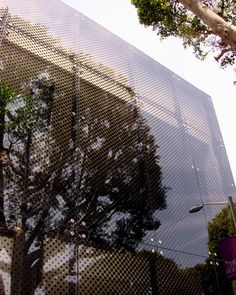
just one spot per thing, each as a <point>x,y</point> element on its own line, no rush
<point>2,127</point>
<point>153,266</point>
<point>217,24</point>
<point>17,267</point>
<point>25,272</point>
<point>72,271</point>
<point>2,217</point>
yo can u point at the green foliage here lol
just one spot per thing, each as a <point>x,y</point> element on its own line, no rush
<point>170,277</point>
<point>6,93</point>
<point>6,96</point>
<point>171,18</point>
<point>220,227</point>
<point>26,122</point>
<point>208,277</point>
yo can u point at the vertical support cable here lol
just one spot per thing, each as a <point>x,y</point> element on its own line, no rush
<point>74,259</point>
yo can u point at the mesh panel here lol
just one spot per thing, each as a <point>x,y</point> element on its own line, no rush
<point>176,280</point>
<point>6,245</point>
<point>59,274</point>
<point>103,272</point>
<point>102,153</point>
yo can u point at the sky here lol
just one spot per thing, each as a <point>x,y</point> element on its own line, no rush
<point>120,18</point>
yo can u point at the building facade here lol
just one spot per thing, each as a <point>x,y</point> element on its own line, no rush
<point>103,152</point>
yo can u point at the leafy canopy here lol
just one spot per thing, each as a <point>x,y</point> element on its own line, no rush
<point>219,228</point>
<point>195,27</point>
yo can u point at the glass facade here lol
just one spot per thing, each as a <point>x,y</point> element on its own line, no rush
<point>103,151</point>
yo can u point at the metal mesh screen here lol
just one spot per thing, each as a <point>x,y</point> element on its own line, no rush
<point>102,153</point>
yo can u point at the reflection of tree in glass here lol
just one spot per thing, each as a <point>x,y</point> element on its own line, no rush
<point>28,185</point>
<point>110,185</point>
<point>107,183</point>
<point>5,96</point>
<point>113,188</point>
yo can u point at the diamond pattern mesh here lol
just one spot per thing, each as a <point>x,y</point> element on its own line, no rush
<point>102,153</point>
<point>6,245</point>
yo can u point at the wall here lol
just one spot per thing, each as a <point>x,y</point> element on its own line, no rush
<point>129,149</point>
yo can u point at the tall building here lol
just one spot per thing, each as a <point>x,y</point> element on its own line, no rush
<point>103,153</point>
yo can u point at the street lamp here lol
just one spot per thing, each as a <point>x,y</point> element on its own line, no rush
<point>230,203</point>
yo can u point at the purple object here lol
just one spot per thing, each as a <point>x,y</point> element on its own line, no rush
<point>228,254</point>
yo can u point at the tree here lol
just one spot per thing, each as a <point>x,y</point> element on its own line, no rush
<point>117,185</point>
<point>99,183</point>
<point>6,95</point>
<point>102,191</point>
<point>220,227</point>
<point>29,186</point>
<point>82,166</point>
<point>206,26</point>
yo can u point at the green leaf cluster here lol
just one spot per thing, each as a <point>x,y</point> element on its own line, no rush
<point>6,95</point>
<point>220,227</point>
<point>171,18</point>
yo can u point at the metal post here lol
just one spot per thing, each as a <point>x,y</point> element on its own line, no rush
<point>233,211</point>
